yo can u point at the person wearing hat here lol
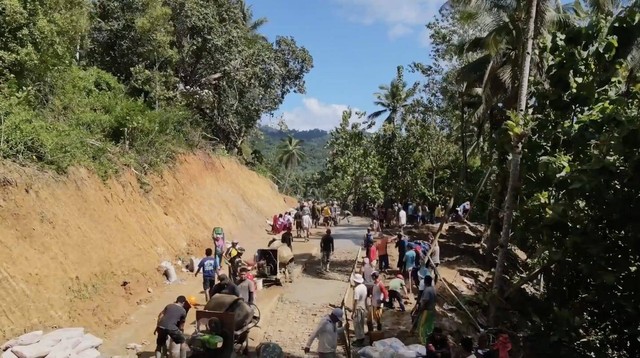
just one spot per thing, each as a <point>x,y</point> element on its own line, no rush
<point>225,286</point>
<point>327,332</point>
<point>359,311</point>
<point>170,324</point>
<point>231,255</point>
<point>397,291</point>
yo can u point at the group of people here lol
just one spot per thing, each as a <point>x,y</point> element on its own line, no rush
<point>238,282</point>
<point>414,267</point>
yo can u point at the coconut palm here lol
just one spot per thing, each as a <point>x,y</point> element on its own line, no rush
<point>247,17</point>
<point>394,100</point>
<point>289,155</point>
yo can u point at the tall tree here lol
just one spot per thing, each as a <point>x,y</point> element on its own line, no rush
<point>394,99</point>
<point>289,156</point>
<point>518,133</point>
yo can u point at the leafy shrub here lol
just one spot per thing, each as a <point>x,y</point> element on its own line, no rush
<point>88,119</point>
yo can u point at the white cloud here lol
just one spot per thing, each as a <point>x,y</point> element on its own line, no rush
<point>399,30</point>
<point>401,17</point>
<point>314,114</point>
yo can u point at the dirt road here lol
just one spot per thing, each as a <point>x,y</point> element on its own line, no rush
<point>316,293</point>
<point>289,313</point>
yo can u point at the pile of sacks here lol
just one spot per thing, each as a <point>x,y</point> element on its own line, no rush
<point>61,343</point>
<point>392,348</point>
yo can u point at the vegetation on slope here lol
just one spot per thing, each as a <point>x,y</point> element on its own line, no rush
<point>105,83</point>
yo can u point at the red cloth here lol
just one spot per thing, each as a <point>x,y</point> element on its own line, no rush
<point>503,346</point>
<point>274,227</point>
<point>373,253</point>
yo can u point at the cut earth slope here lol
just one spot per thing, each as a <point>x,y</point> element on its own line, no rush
<point>68,243</point>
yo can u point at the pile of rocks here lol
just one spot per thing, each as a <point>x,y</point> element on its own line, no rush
<point>61,343</point>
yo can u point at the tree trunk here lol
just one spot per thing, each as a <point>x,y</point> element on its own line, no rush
<point>516,155</point>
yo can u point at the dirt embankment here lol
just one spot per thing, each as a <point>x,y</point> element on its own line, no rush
<point>68,243</point>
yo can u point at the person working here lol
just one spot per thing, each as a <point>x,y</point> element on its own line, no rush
<point>225,286</point>
<point>327,334</point>
<point>426,311</point>
<point>287,238</point>
<point>246,287</point>
<point>397,292</point>
<point>327,248</point>
<point>379,295</point>
<point>170,324</point>
<point>383,255</point>
<point>209,267</point>
<point>359,310</point>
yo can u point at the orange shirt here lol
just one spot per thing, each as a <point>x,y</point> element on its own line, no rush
<point>382,246</point>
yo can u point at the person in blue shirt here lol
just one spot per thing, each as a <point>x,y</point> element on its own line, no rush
<point>409,260</point>
<point>209,266</point>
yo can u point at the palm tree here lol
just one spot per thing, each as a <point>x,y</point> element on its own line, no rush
<point>492,74</point>
<point>394,100</point>
<point>289,155</point>
<point>252,25</point>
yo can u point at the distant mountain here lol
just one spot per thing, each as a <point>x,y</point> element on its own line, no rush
<point>314,142</point>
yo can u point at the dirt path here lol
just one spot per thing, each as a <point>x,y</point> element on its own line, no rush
<point>315,294</point>
<point>312,289</point>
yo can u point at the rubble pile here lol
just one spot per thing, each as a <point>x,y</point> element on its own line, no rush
<point>61,343</point>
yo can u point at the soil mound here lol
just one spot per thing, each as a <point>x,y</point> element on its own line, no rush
<point>68,243</point>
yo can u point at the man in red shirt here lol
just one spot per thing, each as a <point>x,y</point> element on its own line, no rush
<point>383,255</point>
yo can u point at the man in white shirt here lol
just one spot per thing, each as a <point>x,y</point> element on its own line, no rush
<point>359,309</point>
<point>402,218</point>
<point>327,334</point>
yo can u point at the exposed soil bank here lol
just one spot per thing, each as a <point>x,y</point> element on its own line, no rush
<point>68,242</point>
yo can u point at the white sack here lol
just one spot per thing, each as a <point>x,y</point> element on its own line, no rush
<point>88,341</point>
<point>369,352</point>
<point>64,333</point>
<point>89,353</point>
<point>64,349</point>
<point>392,343</point>
<point>193,264</point>
<point>405,353</point>
<point>418,348</point>
<point>38,350</point>
<point>8,354</point>
<point>61,353</point>
<point>8,344</point>
<point>29,338</point>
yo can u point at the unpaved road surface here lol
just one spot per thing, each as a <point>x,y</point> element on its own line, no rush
<point>304,301</point>
<point>315,293</point>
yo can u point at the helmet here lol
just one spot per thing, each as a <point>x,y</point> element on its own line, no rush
<point>192,301</point>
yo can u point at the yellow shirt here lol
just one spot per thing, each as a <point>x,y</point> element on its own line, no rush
<point>326,211</point>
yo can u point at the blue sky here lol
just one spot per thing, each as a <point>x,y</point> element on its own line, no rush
<point>356,46</point>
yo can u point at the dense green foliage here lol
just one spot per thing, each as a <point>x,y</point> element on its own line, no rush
<point>576,191</point>
<point>109,82</point>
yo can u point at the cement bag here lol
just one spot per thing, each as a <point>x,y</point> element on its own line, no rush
<point>8,354</point>
<point>229,303</point>
<point>419,349</point>
<point>88,341</point>
<point>64,349</point>
<point>64,333</point>
<point>89,353</point>
<point>405,353</point>
<point>169,272</point>
<point>193,264</point>
<point>393,343</point>
<point>29,338</point>
<point>369,352</point>
<point>8,344</point>
<point>38,350</point>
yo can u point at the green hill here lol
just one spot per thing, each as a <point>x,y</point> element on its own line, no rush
<point>314,142</point>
